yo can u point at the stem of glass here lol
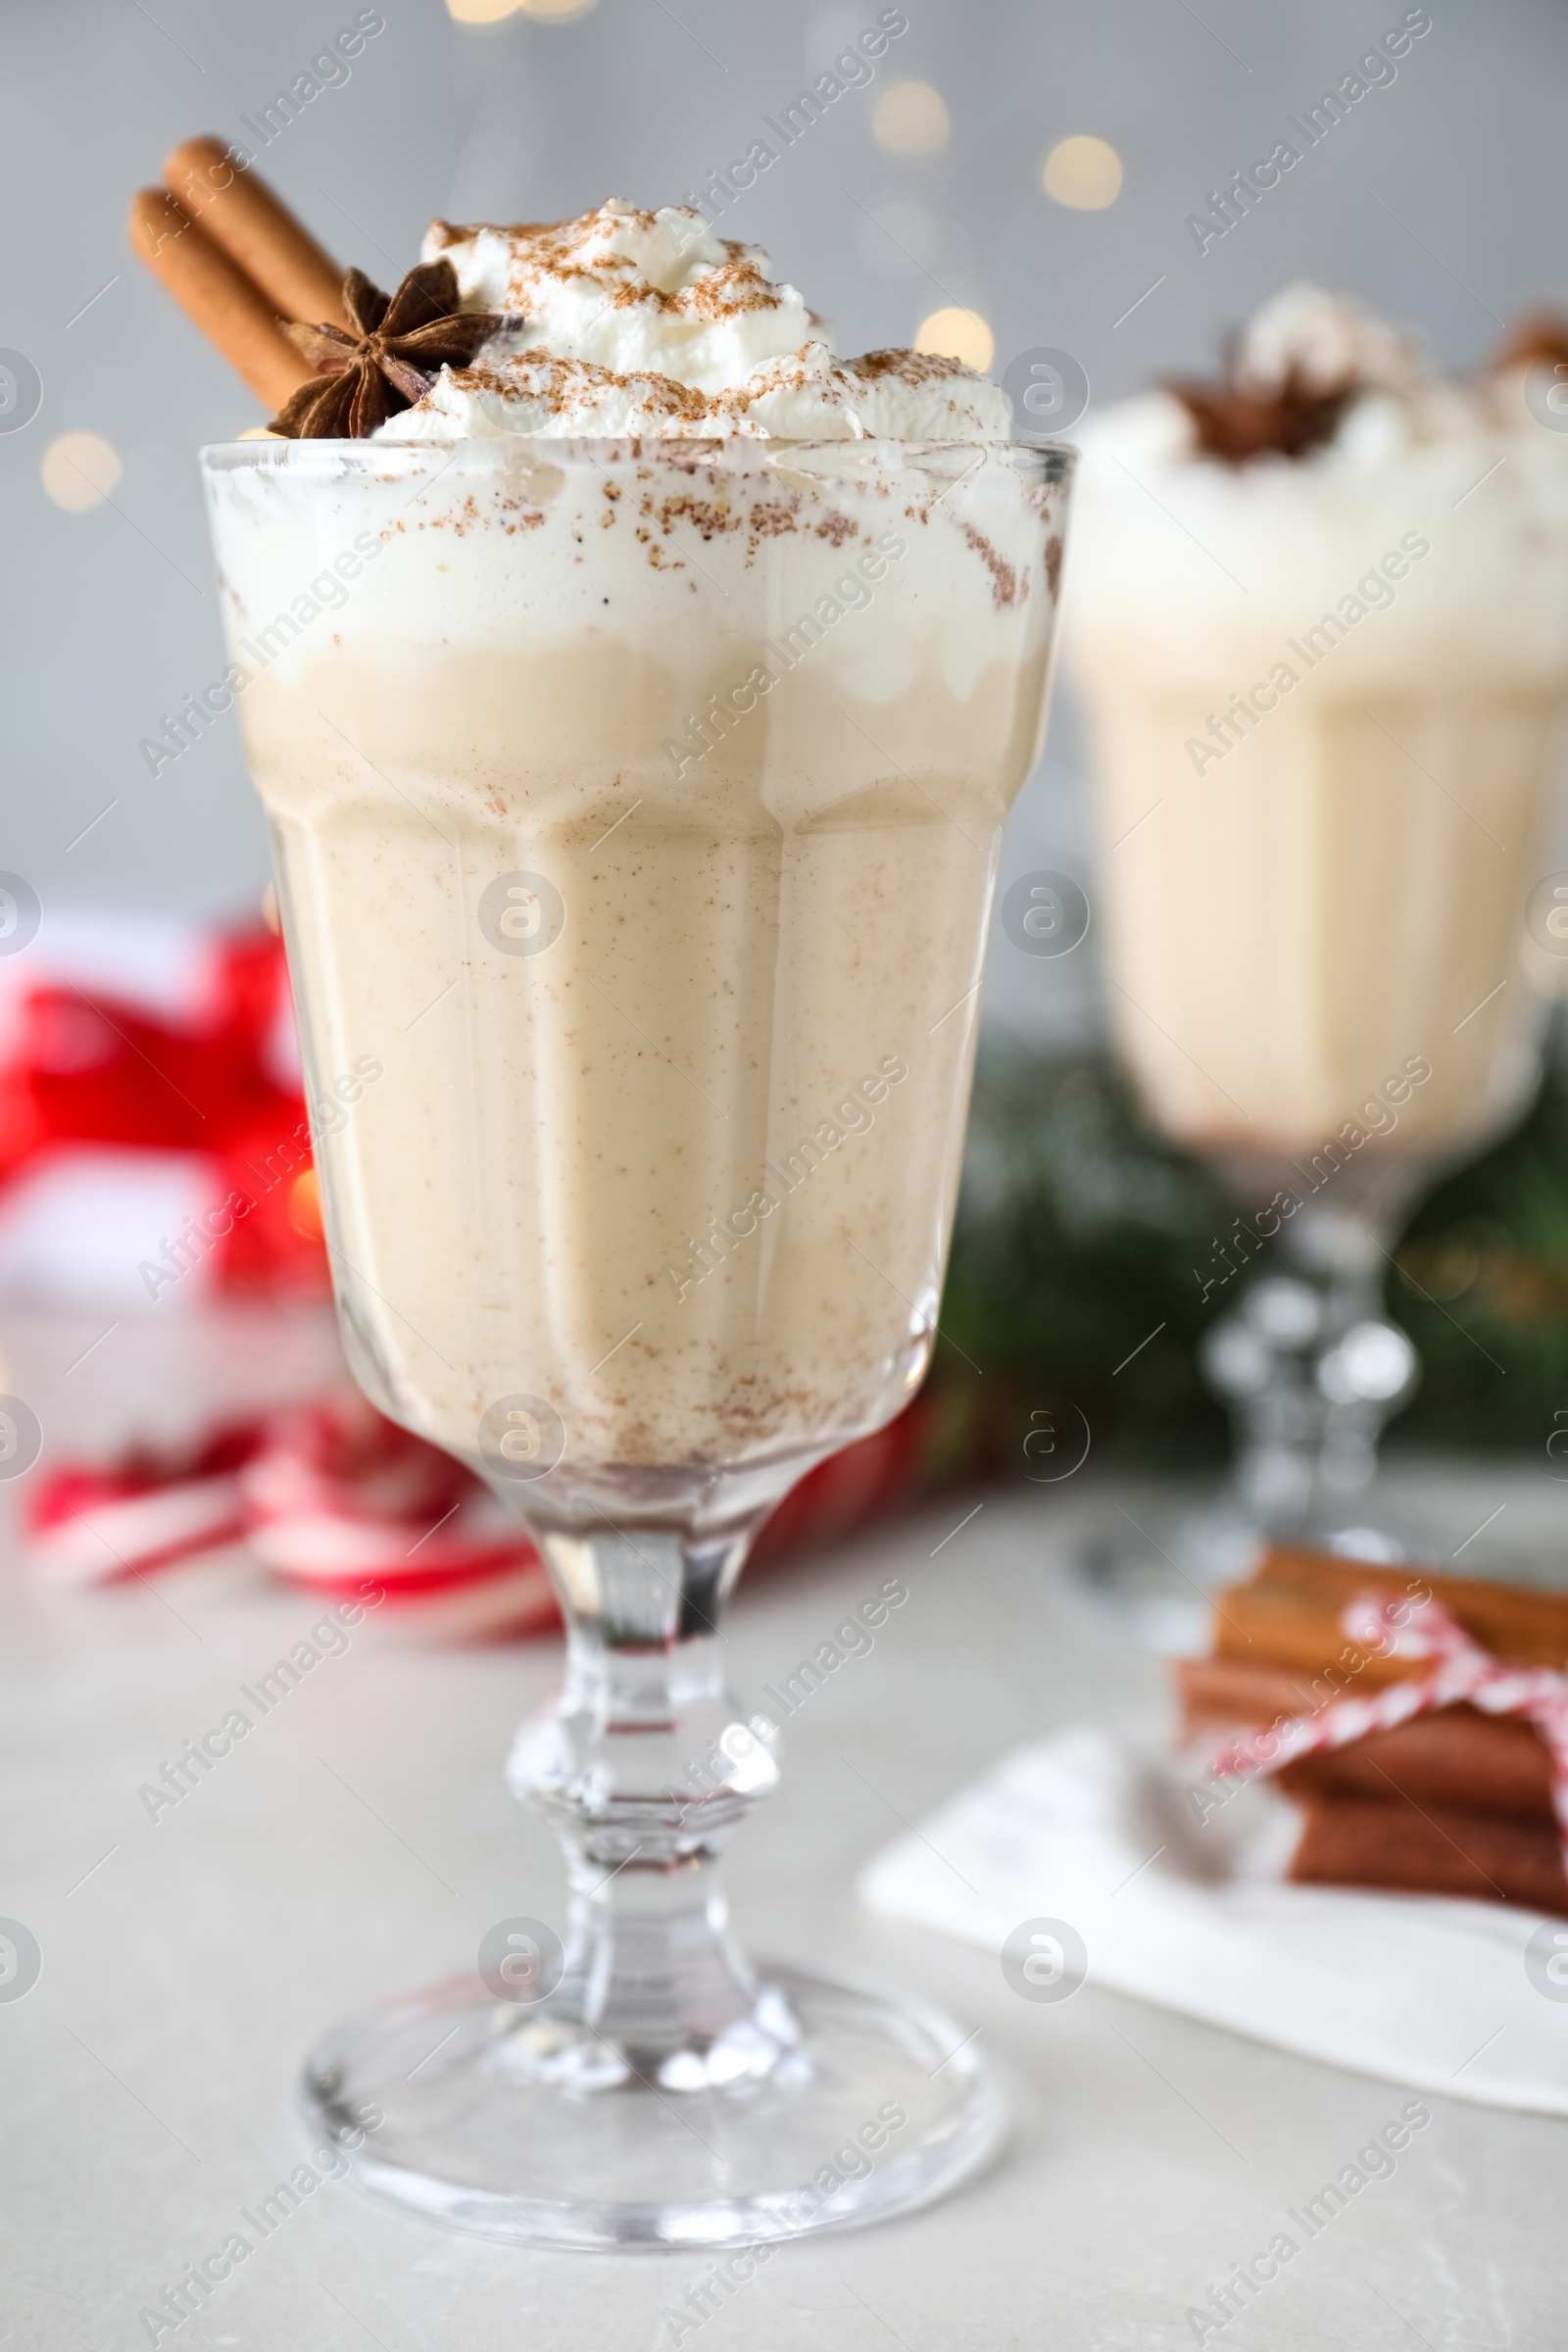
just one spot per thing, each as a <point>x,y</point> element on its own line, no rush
<point>1311,1368</point>
<point>645,1765</point>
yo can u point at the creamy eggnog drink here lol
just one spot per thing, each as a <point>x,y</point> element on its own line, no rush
<point>636,792</point>
<point>1321,623</point>
<point>1321,628</point>
<point>637,693</point>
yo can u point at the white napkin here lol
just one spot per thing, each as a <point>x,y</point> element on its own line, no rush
<point>1090,1829</point>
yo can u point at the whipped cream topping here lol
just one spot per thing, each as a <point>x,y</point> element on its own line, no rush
<point>651,293</point>
<point>807,396</point>
<point>1207,565</point>
<point>1329,343</point>
<point>644,323</point>
<point>1306,341</point>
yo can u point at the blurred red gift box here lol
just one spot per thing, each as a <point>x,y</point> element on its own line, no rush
<point>153,1134</point>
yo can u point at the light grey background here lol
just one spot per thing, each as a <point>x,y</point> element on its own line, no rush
<point>1441,198</point>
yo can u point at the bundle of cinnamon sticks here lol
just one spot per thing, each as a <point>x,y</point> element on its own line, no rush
<point>1452,1802</point>
<point>237,262</point>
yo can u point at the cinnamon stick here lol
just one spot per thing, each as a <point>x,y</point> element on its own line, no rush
<point>1456,1756</point>
<point>1349,1841</point>
<point>1477,1763</point>
<point>255,228</point>
<point>1288,1614</point>
<point>216,296</point>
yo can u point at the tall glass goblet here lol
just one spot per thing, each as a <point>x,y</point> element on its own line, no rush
<point>1316,892</point>
<point>637,807</point>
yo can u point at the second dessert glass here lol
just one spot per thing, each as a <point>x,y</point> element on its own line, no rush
<point>637,806</point>
<point>1326,697</point>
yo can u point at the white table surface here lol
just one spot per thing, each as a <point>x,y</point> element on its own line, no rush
<point>361,1841</point>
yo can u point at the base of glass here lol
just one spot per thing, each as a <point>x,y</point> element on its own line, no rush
<point>517,2125</point>
<point>1157,1577</point>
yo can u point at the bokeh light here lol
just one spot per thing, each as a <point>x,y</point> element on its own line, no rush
<point>1084,172</point>
<point>911,119</point>
<point>491,12</point>
<point>958,335</point>
<point>80,470</point>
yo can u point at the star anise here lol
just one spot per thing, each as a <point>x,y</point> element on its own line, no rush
<point>401,344</point>
<point>1235,421</point>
